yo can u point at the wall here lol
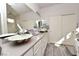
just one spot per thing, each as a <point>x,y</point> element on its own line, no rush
<point>3,18</point>
<point>27,20</point>
<point>0,24</point>
<point>0,20</point>
<point>50,13</point>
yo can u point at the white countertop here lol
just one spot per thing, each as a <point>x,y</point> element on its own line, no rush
<point>8,34</point>
<point>9,49</point>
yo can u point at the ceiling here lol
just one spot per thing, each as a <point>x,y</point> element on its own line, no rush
<point>11,13</point>
<point>43,5</point>
<point>15,9</point>
<point>20,8</point>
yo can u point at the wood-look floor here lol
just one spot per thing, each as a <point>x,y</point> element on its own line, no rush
<point>63,50</point>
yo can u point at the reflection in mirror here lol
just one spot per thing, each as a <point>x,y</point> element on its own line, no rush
<point>9,20</point>
<point>27,19</point>
<point>20,13</point>
<point>11,23</point>
<point>41,25</point>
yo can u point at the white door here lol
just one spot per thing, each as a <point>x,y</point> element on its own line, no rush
<point>55,29</point>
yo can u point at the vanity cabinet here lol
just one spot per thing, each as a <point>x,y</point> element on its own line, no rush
<point>44,43</point>
<point>39,48</point>
<point>38,52</point>
<point>35,47</point>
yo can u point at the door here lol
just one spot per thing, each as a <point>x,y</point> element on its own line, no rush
<point>55,29</point>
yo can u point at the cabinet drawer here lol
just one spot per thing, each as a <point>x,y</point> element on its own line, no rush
<point>29,53</point>
<point>36,46</point>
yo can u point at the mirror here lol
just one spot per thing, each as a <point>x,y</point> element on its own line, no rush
<point>22,14</point>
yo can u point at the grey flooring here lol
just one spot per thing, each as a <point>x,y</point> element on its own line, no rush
<point>63,50</point>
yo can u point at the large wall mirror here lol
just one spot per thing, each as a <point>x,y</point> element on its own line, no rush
<point>20,13</point>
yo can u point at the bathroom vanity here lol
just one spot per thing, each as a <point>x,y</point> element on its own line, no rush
<point>34,47</point>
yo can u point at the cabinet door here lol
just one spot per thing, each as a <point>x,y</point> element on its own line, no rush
<point>37,45</point>
<point>37,48</point>
<point>38,52</point>
<point>29,53</point>
<point>44,43</point>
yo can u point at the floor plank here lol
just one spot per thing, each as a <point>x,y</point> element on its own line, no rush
<point>63,50</point>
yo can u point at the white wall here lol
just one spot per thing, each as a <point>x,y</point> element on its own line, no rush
<point>0,24</point>
<point>27,20</point>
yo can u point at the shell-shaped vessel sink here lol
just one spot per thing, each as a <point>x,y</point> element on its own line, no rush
<point>20,37</point>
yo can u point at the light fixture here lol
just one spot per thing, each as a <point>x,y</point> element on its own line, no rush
<point>10,20</point>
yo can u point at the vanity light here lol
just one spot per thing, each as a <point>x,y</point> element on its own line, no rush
<point>10,20</point>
